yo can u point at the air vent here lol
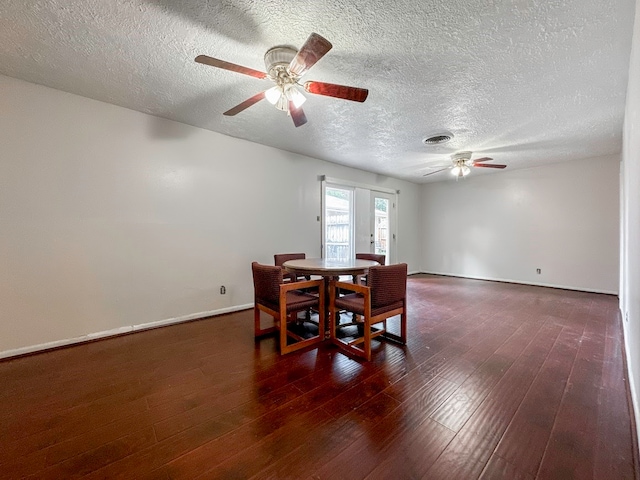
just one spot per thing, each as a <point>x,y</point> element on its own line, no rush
<point>438,138</point>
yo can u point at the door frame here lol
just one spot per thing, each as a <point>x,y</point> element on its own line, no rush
<point>347,184</point>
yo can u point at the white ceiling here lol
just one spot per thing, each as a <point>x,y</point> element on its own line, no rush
<point>526,82</point>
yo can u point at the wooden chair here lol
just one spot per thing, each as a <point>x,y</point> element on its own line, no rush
<point>280,258</point>
<point>372,256</point>
<point>385,296</point>
<point>283,301</point>
<point>362,279</point>
<point>381,259</point>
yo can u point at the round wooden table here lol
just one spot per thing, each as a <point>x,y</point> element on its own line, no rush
<point>330,270</point>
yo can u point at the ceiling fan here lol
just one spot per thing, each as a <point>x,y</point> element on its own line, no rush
<point>461,164</point>
<point>285,65</point>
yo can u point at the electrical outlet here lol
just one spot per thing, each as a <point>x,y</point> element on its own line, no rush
<point>538,271</point>
<point>223,290</point>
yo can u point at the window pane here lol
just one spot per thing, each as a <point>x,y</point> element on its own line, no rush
<point>338,221</point>
<point>381,225</point>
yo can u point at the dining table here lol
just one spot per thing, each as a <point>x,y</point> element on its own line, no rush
<point>330,270</point>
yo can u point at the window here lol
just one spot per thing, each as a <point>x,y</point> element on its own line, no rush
<point>338,221</point>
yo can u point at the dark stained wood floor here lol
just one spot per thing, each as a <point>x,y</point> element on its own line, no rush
<point>498,381</point>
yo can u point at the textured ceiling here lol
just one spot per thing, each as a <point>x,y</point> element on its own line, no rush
<point>526,82</point>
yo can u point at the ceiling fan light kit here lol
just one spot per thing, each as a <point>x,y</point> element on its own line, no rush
<point>461,164</point>
<point>460,170</point>
<point>285,65</point>
<point>277,61</point>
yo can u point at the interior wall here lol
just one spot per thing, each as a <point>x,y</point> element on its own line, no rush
<point>630,225</point>
<point>113,219</point>
<point>561,218</point>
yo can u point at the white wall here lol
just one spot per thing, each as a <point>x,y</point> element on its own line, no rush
<point>561,218</point>
<point>105,224</point>
<point>630,228</point>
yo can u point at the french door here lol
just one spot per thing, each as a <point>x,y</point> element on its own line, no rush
<point>357,219</point>
<point>382,235</point>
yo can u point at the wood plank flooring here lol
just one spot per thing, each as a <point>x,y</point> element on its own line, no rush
<point>497,381</point>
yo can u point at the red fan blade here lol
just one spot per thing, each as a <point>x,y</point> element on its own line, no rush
<point>214,62</point>
<point>297,115</point>
<point>488,165</point>
<point>437,171</point>
<point>338,91</point>
<point>483,159</point>
<point>244,105</point>
<point>313,50</point>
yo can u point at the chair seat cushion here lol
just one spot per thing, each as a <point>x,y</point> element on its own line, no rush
<point>354,302</point>
<point>296,300</point>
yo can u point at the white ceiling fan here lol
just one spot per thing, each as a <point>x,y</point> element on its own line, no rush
<point>461,164</point>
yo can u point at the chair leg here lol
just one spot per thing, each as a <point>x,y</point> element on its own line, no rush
<point>300,342</point>
<point>283,331</point>
<point>367,339</point>
<point>321,325</point>
<point>332,312</point>
<point>258,331</point>
<point>256,321</point>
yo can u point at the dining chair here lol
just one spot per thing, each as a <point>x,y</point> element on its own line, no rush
<point>376,257</point>
<point>280,258</point>
<point>283,301</point>
<point>385,296</point>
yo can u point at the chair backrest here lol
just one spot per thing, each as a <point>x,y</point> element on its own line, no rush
<point>371,256</point>
<point>280,258</point>
<point>266,282</point>
<point>388,284</point>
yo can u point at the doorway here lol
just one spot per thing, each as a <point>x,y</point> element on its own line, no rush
<point>357,219</point>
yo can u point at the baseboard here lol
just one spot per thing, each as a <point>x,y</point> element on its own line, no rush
<point>520,282</point>
<point>635,408</point>
<point>119,331</point>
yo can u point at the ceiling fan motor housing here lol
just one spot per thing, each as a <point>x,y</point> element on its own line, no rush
<point>279,56</point>
<point>465,156</point>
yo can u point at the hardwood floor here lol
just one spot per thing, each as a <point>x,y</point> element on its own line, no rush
<point>497,381</point>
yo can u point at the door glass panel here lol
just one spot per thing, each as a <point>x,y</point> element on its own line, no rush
<point>381,226</point>
<point>338,216</point>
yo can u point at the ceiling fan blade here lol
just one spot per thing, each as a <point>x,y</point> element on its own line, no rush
<point>297,115</point>
<point>214,62</point>
<point>244,105</point>
<point>439,165</point>
<point>313,50</point>
<point>338,91</point>
<point>437,171</point>
<point>483,159</point>
<point>488,165</point>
